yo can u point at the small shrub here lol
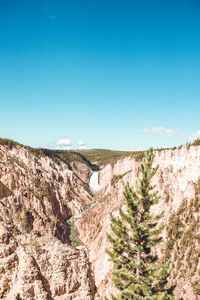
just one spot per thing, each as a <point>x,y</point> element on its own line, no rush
<point>196,287</point>
<point>36,245</point>
<point>74,235</point>
<point>167,198</point>
<point>116,178</point>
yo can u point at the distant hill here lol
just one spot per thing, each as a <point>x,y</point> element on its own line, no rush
<point>105,156</point>
<point>93,158</point>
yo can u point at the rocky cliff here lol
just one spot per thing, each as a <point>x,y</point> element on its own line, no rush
<point>178,182</point>
<point>37,196</point>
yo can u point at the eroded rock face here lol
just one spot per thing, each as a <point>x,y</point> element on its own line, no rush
<point>82,171</point>
<point>42,268</point>
<point>36,198</point>
<point>37,194</point>
<point>178,182</point>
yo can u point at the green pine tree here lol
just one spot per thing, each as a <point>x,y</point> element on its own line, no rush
<point>138,274</point>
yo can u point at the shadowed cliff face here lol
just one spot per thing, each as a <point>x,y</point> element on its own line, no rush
<point>178,181</point>
<point>36,198</point>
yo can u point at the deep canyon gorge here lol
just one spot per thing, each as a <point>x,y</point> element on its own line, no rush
<point>42,256</point>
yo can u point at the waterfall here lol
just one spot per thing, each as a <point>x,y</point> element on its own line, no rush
<point>95,187</point>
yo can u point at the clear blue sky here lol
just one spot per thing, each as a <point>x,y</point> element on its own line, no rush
<point>114,74</point>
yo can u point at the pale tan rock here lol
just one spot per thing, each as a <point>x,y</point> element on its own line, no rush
<point>36,198</point>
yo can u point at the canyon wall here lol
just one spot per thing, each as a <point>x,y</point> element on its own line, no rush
<point>177,180</point>
<point>37,196</point>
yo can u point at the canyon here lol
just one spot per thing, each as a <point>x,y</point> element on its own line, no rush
<point>42,257</point>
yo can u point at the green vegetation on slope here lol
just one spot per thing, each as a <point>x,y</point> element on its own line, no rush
<point>9,143</point>
<point>65,156</point>
<point>184,239</point>
<point>105,156</point>
<point>195,143</point>
<point>116,178</point>
<point>92,158</point>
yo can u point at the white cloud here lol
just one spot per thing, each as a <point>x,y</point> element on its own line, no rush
<point>82,147</point>
<point>145,130</point>
<point>81,142</point>
<point>194,136</point>
<point>64,142</point>
<point>163,131</point>
<point>65,147</point>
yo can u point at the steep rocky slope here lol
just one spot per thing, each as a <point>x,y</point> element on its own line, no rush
<point>178,182</point>
<point>37,196</point>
